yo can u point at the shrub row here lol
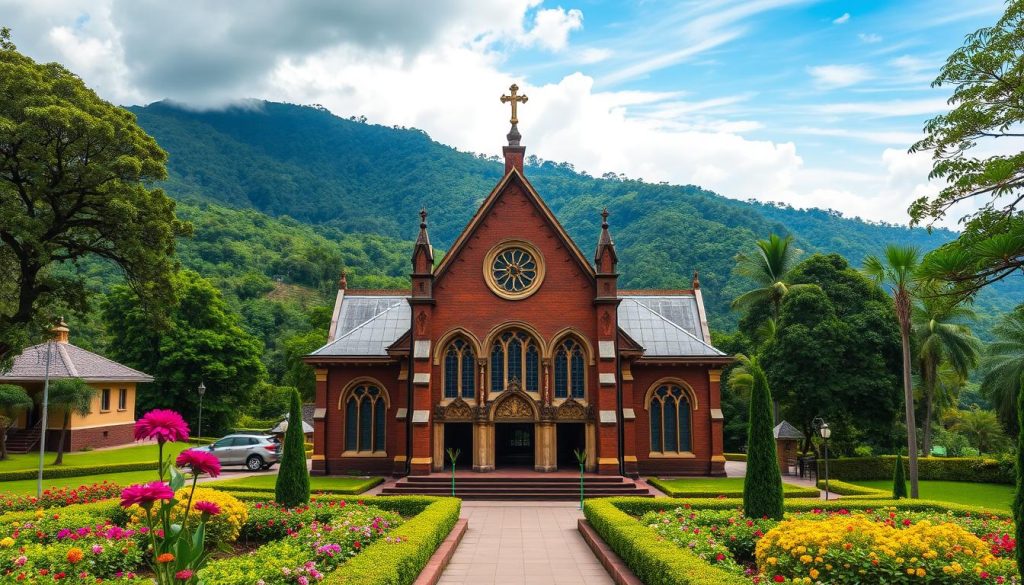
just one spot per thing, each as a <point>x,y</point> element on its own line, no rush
<point>268,492</point>
<point>735,456</point>
<point>640,506</point>
<point>673,491</point>
<point>848,489</point>
<point>976,469</point>
<point>399,559</point>
<point>654,561</point>
<point>76,470</point>
<point>99,511</point>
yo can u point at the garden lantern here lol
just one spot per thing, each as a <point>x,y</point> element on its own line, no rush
<point>201,390</point>
<point>826,433</point>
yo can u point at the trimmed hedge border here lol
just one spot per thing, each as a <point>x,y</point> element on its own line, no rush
<point>974,469</point>
<point>367,483</point>
<point>848,489</point>
<point>735,456</point>
<point>794,491</point>
<point>659,562</point>
<point>76,470</point>
<point>400,563</point>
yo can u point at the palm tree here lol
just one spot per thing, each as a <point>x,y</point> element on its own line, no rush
<point>1003,367</point>
<point>982,429</point>
<point>69,395</point>
<point>770,267</point>
<point>13,401</point>
<point>897,273</point>
<point>941,339</point>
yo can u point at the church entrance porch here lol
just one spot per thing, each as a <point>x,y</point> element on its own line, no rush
<point>514,444</point>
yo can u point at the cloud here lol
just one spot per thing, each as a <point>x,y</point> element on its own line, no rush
<point>835,76</point>
<point>886,109</point>
<point>877,137</point>
<point>869,38</point>
<point>842,19</point>
<point>551,28</point>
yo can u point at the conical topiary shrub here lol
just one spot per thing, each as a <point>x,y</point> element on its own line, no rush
<point>899,480</point>
<point>1018,498</point>
<point>762,488</point>
<point>292,488</point>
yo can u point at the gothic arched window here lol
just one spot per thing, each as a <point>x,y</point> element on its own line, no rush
<point>670,409</point>
<point>459,368</point>
<point>514,354</point>
<point>570,369</point>
<point>365,416</point>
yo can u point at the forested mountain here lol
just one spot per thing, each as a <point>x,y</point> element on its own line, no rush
<point>342,181</point>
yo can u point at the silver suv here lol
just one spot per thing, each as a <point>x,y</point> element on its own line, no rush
<point>255,452</point>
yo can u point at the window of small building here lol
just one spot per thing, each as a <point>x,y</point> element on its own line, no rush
<point>365,419</point>
<point>105,400</point>
<point>122,399</point>
<point>670,411</point>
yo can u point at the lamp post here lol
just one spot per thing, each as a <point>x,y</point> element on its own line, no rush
<point>825,432</point>
<point>202,390</point>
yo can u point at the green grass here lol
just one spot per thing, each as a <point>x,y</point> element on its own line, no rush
<point>990,495</point>
<point>28,486</point>
<point>327,484</point>
<point>711,488</point>
<point>132,454</point>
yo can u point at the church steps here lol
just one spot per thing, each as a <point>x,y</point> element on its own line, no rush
<point>539,487</point>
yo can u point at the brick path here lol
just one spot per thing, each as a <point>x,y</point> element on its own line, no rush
<point>523,543</point>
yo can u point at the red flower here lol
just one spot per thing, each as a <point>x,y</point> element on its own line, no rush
<point>207,507</point>
<point>162,425</point>
<point>146,494</point>
<point>199,461</point>
<point>779,579</point>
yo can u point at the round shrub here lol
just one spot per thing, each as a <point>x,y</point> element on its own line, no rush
<point>222,528</point>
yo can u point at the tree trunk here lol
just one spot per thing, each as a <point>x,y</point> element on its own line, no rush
<point>903,312</point>
<point>60,444</point>
<point>3,442</point>
<point>926,426</point>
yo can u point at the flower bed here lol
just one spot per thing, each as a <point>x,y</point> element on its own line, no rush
<point>862,541</point>
<point>59,497</point>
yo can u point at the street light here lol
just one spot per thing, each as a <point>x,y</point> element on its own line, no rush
<point>202,390</point>
<point>825,432</point>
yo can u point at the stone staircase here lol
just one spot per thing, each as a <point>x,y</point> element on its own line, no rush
<point>23,440</point>
<point>530,486</point>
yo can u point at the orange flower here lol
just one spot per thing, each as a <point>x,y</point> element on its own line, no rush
<point>165,558</point>
<point>75,554</point>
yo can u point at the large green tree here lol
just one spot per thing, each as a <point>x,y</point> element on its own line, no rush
<point>941,336</point>
<point>202,342</point>
<point>1003,367</point>
<point>976,154</point>
<point>13,401</point>
<point>68,396</point>
<point>75,182</point>
<point>896,271</point>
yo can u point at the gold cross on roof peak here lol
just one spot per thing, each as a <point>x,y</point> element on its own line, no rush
<point>515,99</point>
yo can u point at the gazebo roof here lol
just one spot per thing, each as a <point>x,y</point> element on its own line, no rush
<point>786,431</point>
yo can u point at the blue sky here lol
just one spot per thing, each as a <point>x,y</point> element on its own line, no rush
<point>809,102</point>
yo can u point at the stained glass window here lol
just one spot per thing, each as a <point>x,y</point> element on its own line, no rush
<point>514,269</point>
<point>570,370</point>
<point>459,379</point>
<point>365,419</point>
<point>670,420</point>
<point>514,355</point>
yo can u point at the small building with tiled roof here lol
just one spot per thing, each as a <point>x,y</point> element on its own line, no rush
<point>112,415</point>
<point>518,350</point>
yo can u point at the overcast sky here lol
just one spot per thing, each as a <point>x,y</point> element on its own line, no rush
<point>811,103</point>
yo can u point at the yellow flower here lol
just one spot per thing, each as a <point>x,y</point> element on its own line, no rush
<point>921,572</point>
<point>814,573</point>
<point>7,542</point>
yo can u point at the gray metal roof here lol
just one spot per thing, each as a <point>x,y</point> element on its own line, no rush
<point>784,430</point>
<point>665,325</point>
<point>69,361</point>
<point>367,325</point>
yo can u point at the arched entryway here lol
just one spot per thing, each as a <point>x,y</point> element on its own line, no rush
<point>515,415</point>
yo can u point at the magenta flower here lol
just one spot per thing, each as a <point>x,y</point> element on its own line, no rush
<point>184,575</point>
<point>144,494</point>
<point>162,425</point>
<point>207,507</point>
<point>199,461</point>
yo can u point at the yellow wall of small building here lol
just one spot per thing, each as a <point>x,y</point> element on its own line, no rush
<point>96,416</point>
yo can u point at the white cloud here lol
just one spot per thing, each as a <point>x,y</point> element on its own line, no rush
<point>835,76</point>
<point>869,38</point>
<point>842,19</point>
<point>878,137</point>
<point>591,55</point>
<point>886,109</point>
<point>551,28</point>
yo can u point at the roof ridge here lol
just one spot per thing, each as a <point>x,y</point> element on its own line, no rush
<point>69,364</point>
<point>357,327</point>
<point>106,359</point>
<point>670,322</point>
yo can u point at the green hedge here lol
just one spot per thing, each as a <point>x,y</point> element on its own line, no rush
<point>102,510</point>
<point>359,488</point>
<point>735,456</point>
<point>848,489</point>
<point>76,470</point>
<point>384,563</point>
<point>975,469</point>
<point>640,506</point>
<point>789,491</point>
<point>655,562</point>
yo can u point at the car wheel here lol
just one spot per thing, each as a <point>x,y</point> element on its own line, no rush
<point>254,463</point>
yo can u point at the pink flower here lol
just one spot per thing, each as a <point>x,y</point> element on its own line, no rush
<point>207,507</point>
<point>162,425</point>
<point>145,494</point>
<point>184,574</point>
<point>199,461</point>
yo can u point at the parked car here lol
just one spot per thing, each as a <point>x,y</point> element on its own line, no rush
<point>254,451</point>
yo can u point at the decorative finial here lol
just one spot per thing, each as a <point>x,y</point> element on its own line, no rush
<point>423,219</point>
<point>343,281</point>
<point>604,218</point>
<point>696,280</point>
<point>515,99</point>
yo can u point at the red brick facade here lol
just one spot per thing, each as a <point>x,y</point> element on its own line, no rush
<point>456,300</point>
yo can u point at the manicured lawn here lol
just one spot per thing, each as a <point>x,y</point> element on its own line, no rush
<point>991,495</point>
<point>331,484</point>
<point>28,486</point>
<point>133,454</point>
<point>710,488</point>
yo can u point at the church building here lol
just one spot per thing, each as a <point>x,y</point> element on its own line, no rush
<point>520,351</point>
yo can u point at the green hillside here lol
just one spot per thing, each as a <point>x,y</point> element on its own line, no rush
<point>348,177</point>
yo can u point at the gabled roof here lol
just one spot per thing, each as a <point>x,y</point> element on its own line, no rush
<point>784,430</point>
<point>368,324</point>
<point>485,207</point>
<point>665,325</point>
<point>69,361</point>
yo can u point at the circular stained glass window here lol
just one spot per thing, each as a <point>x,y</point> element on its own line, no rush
<point>514,270</point>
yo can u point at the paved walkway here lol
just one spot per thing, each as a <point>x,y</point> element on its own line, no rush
<point>533,543</point>
<point>739,469</point>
